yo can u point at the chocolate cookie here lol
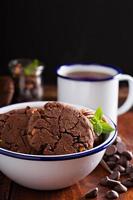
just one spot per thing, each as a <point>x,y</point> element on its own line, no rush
<point>60,129</point>
<point>54,129</point>
<point>13,130</point>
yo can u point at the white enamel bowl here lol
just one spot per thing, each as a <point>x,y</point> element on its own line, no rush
<point>54,171</point>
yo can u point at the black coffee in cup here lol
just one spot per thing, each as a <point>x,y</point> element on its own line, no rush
<point>88,75</point>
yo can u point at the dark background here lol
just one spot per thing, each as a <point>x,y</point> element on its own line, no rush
<point>64,32</point>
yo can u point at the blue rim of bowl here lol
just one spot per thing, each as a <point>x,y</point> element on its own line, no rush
<point>23,156</point>
<point>92,151</point>
<point>117,69</point>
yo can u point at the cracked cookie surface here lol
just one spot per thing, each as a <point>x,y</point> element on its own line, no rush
<point>60,129</point>
<point>13,131</point>
<point>54,129</point>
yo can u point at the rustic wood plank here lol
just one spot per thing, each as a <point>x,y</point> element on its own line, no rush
<point>22,193</point>
<point>5,187</point>
<point>19,192</point>
<point>125,128</point>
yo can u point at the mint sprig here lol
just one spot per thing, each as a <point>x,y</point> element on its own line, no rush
<point>99,113</point>
<point>30,69</point>
<point>99,125</point>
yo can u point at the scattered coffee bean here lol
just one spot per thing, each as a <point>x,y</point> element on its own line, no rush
<point>104,181</point>
<point>114,158</point>
<point>121,147</point>
<point>111,150</point>
<point>111,164</point>
<point>120,188</point>
<point>112,183</point>
<point>129,168</point>
<point>128,155</point>
<point>119,168</point>
<point>123,161</point>
<point>123,174</point>
<point>115,175</point>
<point>112,194</point>
<point>105,157</point>
<point>107,182</point>
<point>131,175</point>
<point>91,194</point>
<point>128,182</point>
<point>117,159</point>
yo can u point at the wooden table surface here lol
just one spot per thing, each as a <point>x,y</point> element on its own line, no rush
<point>12,191</point>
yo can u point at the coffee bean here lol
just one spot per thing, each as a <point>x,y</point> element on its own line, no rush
<point>114,158</point>
<point>91,194</point>
<point>111,164</point>
<point>112,194</point>
<point>121,147</point>
<point>112,183</point>
<point>105,157</point>
<point>129,168</point>
<point>120,188</point>
<point>123,161</point>
<point>107,182</point>
<point>128,182</point>
<point>111,150</point>
<point>131,175</point>
<point>119,168</point>
<point>123,174</point>
<point>128,155</point>
<point>115,175</point>
<point>104,181</point>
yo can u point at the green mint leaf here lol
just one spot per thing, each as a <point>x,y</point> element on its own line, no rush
<point>99,125</point>
<point>96,126</point>
<point>99,113</point>
<point>93,120</point>
<point>30,69</point>
<point>106,128</point>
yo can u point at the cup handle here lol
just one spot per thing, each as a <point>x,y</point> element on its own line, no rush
<point>129,101</point>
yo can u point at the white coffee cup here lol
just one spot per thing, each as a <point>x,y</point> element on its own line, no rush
<point>94,92</point>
